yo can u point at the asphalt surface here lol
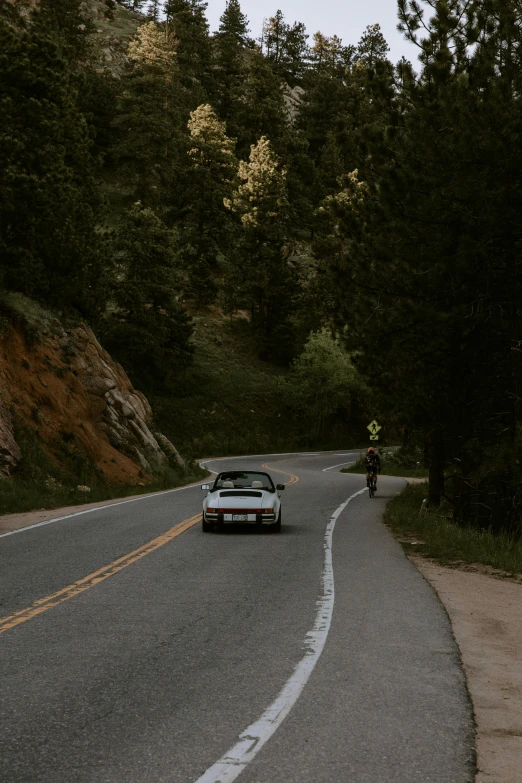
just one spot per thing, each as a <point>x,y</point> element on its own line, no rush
<point>152,674</point>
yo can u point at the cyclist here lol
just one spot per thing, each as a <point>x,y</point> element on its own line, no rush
<point>372,462</point>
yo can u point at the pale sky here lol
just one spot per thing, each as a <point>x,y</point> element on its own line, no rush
<point>332,17</point>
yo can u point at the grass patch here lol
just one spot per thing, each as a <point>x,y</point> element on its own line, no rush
<point>441,539</point>
<point>229,401</point>
<point>390,468</point>
<point>40,484</point>
<point>18,495</point>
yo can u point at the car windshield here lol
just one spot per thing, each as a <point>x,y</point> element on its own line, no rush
<point>237,479</point>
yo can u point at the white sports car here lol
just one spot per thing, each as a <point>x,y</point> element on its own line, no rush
<point>242,496</point>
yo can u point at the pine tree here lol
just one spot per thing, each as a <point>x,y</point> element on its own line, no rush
<point>372,46</point>
<point>149,121</point>
<point>231,41</point>
<point>297,53</point>
<point>424,256</point>
<point>329,56</point>
<point>233,27</point>
<point>263,280</point>
<point>206,227</point>
<point>262,110</point>
<point>194,48</point>
<point>147,330</point>
<point>48,199</point>
<point>285,47</point>
<point>154,10</point>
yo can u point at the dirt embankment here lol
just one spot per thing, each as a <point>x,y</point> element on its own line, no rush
<point>58,382</point>
<point>486,615</point>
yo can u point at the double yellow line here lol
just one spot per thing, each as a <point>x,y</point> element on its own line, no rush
<point>71,591</point>
<point>293,478</point>
<point>50,601</point>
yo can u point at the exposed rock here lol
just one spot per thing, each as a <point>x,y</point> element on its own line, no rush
<point>169,449</point>
<point>81,402</point>
<point>10,454</point>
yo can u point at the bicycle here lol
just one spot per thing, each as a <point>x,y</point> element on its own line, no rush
<point>372,485</point>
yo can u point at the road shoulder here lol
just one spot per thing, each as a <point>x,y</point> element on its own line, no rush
<point>12,522</point>
<point>486,616</point>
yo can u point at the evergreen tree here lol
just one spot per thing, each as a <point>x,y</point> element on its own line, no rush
<point>230,44</point>
<point>48,199</point>
<point>233,27</point>
<point>149,121</point>
<point>262,280</point>
<point>262,110</point>
<point>206,222</point>
<point>154,10</point>
<point>424,255</point>
<point>297,53</point>
<point>329,56</point>
<point>188,19</point>
<point>285,47</point>
<point>372,46</point>
<point>147,330</point>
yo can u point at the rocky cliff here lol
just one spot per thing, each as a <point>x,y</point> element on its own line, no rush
<point>57,380</point>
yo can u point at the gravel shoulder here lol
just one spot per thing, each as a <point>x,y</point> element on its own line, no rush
<point>486,616</point>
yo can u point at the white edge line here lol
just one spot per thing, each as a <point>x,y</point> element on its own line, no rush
<point>339,465</point>
<point>250,741</point>
<point>98,508</point>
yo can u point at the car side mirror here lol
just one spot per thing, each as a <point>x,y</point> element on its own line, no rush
<point>206,487</point>
<point>280,486</point>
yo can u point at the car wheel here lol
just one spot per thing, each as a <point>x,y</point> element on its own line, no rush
<point>207,527</point>
<point>276,527</point>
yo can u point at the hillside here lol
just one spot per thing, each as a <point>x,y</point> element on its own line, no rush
<point>229,402</point>
<point>70,416</point>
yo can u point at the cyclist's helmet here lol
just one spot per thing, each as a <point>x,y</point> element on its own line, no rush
<point>371,450</point>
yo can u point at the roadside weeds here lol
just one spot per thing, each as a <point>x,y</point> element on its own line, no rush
<point>434,535</point>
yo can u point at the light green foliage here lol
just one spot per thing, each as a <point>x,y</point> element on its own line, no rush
<point>261,277</point>
<point>148,120</point>
<point>206,228</point>
<point>260,199</point>
<point>322,380</point>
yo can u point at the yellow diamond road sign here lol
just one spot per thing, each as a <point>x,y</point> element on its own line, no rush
<point>374,427</point>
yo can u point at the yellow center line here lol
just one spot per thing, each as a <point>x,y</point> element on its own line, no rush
<point>293,478</point>
<point>43,604</point>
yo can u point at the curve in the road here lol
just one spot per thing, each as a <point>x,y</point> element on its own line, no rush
<point>172,659</point>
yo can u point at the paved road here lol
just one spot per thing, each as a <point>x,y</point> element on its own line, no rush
<point>151,672</point>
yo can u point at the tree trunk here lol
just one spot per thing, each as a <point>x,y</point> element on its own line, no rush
<point>434,449</point>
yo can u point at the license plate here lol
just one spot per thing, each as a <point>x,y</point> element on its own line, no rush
<point>239,517</point>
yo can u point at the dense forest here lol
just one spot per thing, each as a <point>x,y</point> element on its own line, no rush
<point>361,217</point>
